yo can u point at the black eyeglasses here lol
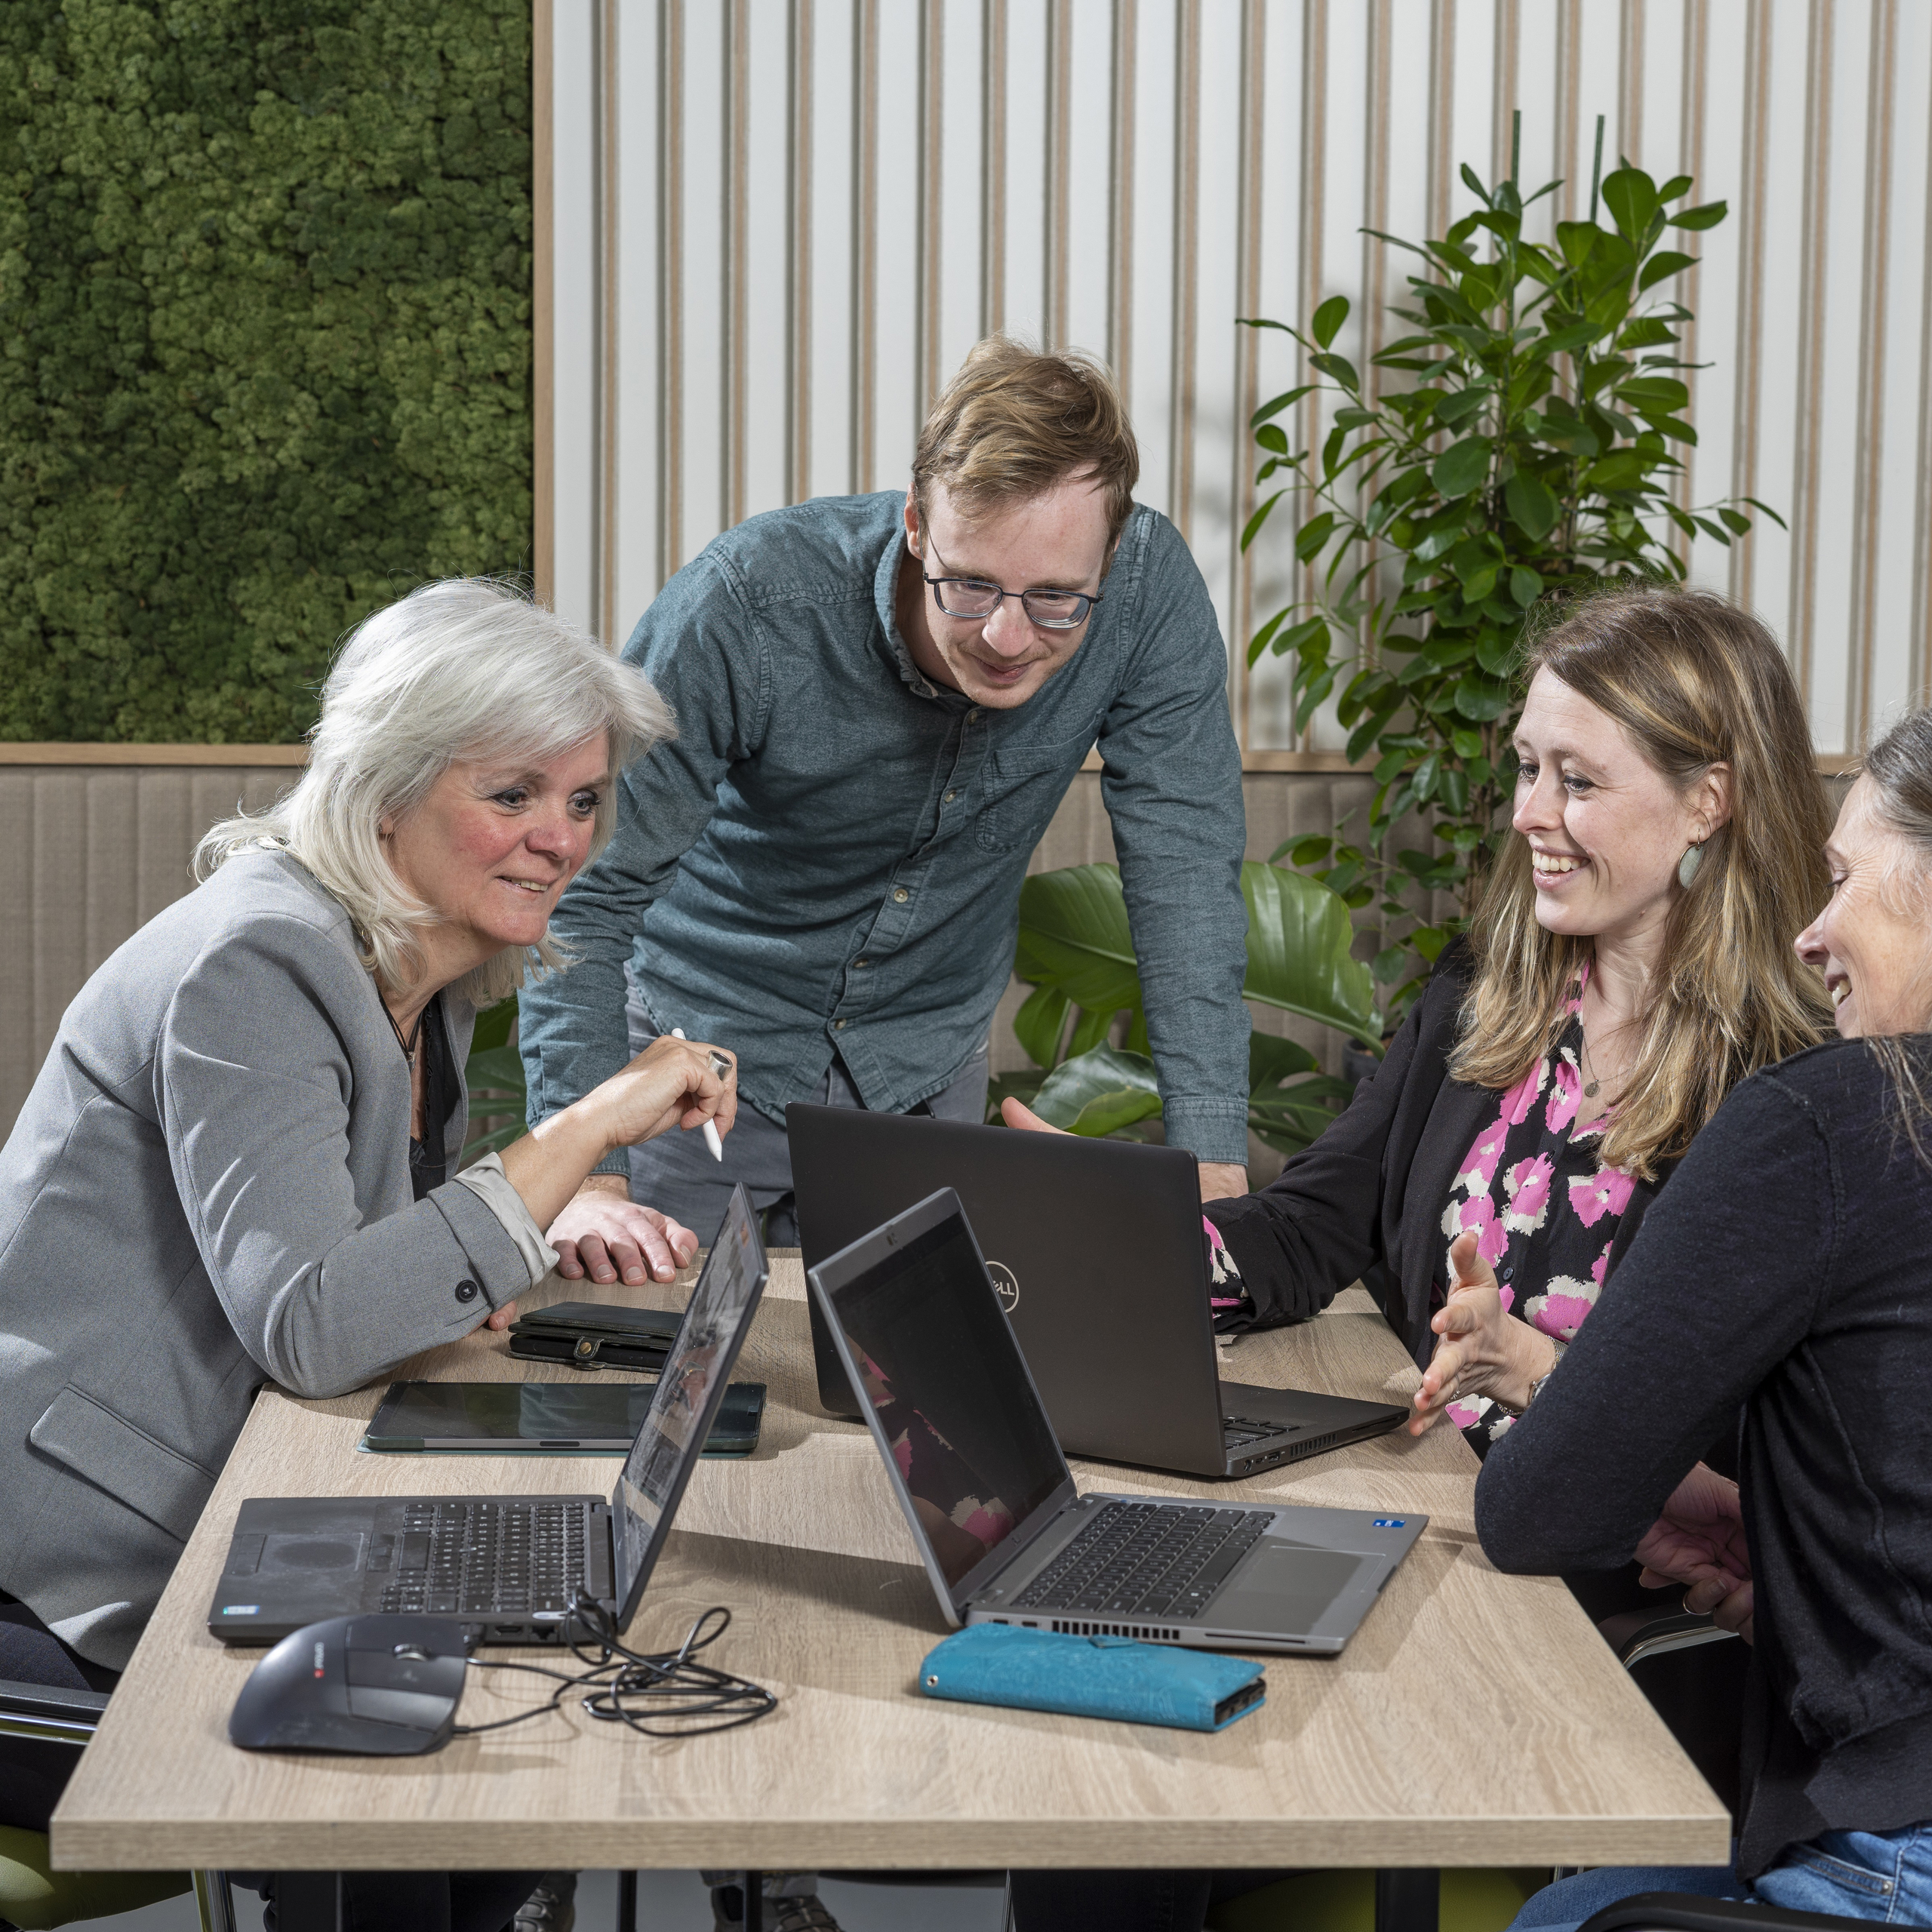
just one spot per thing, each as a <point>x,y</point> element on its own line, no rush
<point>974,597</point>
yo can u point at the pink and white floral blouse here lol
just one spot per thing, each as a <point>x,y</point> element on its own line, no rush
<point>1544,1208</point>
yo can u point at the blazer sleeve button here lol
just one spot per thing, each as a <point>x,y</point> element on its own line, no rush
<point>467,1292</point>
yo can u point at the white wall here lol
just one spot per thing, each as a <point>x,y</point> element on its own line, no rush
<point>778,224</point>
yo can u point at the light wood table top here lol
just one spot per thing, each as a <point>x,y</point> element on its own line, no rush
<point>1474,1719</point>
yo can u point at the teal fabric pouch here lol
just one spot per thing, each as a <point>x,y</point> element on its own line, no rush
<point>1092,1677</point>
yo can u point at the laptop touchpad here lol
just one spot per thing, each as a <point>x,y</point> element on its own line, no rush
<point>1284,1587</point>
<point>287,1551</point>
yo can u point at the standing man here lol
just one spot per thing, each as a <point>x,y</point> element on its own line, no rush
<point>880,701</point>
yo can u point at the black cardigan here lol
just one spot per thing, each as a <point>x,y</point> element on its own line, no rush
<point>1366,1200</point>
<point>1788,1268</point>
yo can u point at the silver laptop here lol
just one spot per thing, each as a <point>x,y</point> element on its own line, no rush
<point>1096,1248</point>
<point>991,1502</point>
<point>508,1567</point>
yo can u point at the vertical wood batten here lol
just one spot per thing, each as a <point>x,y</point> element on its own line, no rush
<point>1920,662</point>
<point>1868,462</point>
<point>671,305</point>
<point>932,109</point>
<point>992,170</point>
<point>798,415</point>
<point>1187,217</point>
<point>1745,398</point>
<point>1690,148</point>
<point>865,242</point>
<point>1442,109</point>
<point>1060,90</point>
<point>1247,303</point>
<point>543,304</point>
<point>1120,251</point>
<point>736,105</point>
<point>1811,341</point>
<point>1570,198</point>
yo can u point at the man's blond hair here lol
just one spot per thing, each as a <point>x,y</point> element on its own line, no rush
<point>1013,423</point>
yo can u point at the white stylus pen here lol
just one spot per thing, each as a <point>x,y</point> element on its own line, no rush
<point>720,1066</point>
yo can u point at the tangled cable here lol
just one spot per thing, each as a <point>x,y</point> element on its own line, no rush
<point>668,1694</point>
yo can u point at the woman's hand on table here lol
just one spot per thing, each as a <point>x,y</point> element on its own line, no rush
<point>603,1234</point>
<point>1699,1540</point>
<point>1483,1349</point>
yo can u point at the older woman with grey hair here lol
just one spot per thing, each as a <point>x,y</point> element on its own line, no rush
<point>238,1163</point>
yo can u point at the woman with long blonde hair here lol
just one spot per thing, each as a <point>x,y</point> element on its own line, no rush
<point>1629,964</point>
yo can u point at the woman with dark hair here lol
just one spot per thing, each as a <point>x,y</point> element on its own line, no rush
<point>1785,1271</point>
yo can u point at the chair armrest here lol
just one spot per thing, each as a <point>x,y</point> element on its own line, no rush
<point>1634,1635</point>
<point>49,1712</point>
<point>1685,1912</point>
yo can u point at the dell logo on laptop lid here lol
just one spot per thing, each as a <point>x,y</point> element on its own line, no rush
<point>1004,1286</point>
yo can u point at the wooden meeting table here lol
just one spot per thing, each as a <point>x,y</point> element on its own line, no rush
<point>1474,1719</point>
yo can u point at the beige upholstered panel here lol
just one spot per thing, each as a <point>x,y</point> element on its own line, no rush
<point>99,849</point>
<point>95,852</point>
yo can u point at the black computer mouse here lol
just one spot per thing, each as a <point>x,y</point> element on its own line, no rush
<point>383,1686</point>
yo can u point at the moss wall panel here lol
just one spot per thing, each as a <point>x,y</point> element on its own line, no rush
<point>265,273</point>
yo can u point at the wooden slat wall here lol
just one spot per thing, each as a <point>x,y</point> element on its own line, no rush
<point>778,224</point>
<point>100,849</point>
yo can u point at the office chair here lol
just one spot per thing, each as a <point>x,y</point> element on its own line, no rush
<point>1684,1911</point>
<point>43,1731</point>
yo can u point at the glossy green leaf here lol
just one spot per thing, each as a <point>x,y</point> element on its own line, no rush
<point>1661,267</point>
<point>1089,1031</point>
<point>1099,1092</point>
<point>1271,1060</point>
<point>1275,404</point>
<point>1075,936</point>
<point>1253,525</point>
<point>1707,216</point>
<point>1525,584</point>
<point>1299,934</point>
<point>1463,467</point>
<point>1040,1023</point>
<point>1339,369</point>
<point>498,1069</point>
<point>493,1024</point>
<point>1313,534</point>
<point>1329,318</point>
<point>1482,698</point>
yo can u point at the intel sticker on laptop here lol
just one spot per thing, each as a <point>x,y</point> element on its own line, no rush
<point>1390,1523</point>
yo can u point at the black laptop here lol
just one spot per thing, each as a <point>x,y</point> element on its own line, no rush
<point>505,1565</point>
<point>1095,1247</point>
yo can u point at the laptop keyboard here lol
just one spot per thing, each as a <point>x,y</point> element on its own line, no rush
<point>1150,1559</point>
<point>491,1559</point>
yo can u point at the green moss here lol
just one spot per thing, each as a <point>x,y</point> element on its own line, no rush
<point>264,270</point>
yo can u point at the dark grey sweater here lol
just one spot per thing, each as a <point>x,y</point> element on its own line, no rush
<point>1788,1268</point>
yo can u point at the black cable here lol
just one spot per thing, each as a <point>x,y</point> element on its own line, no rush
<point>685,1697</point>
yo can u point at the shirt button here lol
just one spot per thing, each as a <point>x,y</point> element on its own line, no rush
<point>862,962</point>
<point>972,716</point>
<point>467,1291</point>
<point>900,895</point>
<point>839,1026</point>
<point>948,798</point>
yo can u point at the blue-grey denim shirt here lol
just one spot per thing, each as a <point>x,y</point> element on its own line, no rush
<point>828,856</point>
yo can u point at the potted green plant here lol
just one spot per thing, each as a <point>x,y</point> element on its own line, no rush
<point>1531,455</point>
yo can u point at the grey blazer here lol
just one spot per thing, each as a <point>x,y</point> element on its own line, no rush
<point>209,1188</point>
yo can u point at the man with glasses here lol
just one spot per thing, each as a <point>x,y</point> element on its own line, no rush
<point>880,701</point>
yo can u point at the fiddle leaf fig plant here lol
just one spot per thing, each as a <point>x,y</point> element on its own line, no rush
<point>1534,453</point>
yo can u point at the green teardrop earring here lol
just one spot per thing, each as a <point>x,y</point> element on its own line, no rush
<point>1687,866</point>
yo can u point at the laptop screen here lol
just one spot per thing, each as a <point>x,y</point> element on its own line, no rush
<point>944,1379</point>
<point>690,1388</point>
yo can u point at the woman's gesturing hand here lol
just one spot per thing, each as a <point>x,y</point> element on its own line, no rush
<point>672,1083</point>
<point>1699,1540</point>
<point>1484,1350</point>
